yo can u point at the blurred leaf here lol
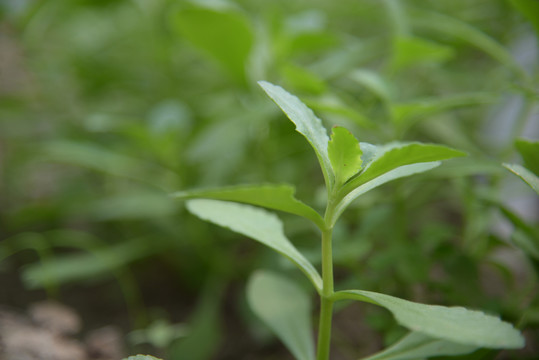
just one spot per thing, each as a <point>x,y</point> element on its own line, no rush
<point>139,205</point>
<point>81,266</point>
<point>306,122</point>
<point>410,50</point>
<point>453,27</point>
<point>529,150</point>
<point>530,10</point>
<point>277,197</point>
<point>416,345</point>
<point>285,308</point>
<point>525,174</point>
<point>160,333</point>
<point>257,224</point>
<point>97,158</point>
<point>455,324</point>
<point>303,80</point>
<point>344,154</point>
<point>373,82</point>
<point>405,113</point>
<point>224,34</point>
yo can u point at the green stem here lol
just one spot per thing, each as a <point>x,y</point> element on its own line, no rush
<point>326,301</point>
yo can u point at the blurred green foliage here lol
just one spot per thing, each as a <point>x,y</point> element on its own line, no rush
<point>106,107</point>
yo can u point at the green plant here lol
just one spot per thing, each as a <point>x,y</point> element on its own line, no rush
<point>350,169</point>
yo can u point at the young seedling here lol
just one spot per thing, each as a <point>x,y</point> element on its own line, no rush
<point>350,169</point>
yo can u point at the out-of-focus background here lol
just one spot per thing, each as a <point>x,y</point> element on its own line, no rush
<point>108,106</point>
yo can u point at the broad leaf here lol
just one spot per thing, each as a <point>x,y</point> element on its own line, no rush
<point>455,324</point>
<point>306,122</point>
<point>416,345</point>
<point>257,224</point>
<point>529,150</point>
<point>286,309</point>
<point>344,154</point>
<point>277,197</point>
<point>525,174</point>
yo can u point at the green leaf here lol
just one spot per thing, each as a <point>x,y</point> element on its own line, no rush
<point>525,174</point>
<point>391,162</point>
<point>257,224</point>
<point>277,197</point>
<point>373,82</point>
<point>344,154</point>
<point>224,34</point>
<point>529,150</point>
<point>410,50</point>
<point>430,21</point>
<point>307,124</point>
<point>456,324</point>
<point>141,357</point>
<point>285,308</point>
<point>530,10</point>
<point>416,345</point>
<point>98,158</point>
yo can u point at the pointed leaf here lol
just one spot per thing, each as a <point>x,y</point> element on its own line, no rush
<point>529,150</point>
<point>399,154</point>
<point>344,154</point>
<point>416,345</point>
<point>257,224</point>
<point>525,174</point>
<point>306,122</point>
<point>455,324</point>
<point>391,162</point>
<point>277,197</point>
<point>285,308</point>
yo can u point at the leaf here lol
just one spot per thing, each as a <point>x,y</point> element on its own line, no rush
<point>410,50</point>
<point>455,324</point>
<point>391,162</point>
<point>429,21</point>
<point>416,345</point>
<point>257,224</point>
<point>277,197</point>
<point>373,82</point>
<point>344,154</point>
<point>285,308</point>
<point>141,357</point>
<point>525,174</point>
<point>307,124</point>
<point>222,33</point>
<point>529,150</point>
<point>98,158</point>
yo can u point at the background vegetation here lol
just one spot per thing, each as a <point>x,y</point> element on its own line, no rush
<point>108,106</point>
